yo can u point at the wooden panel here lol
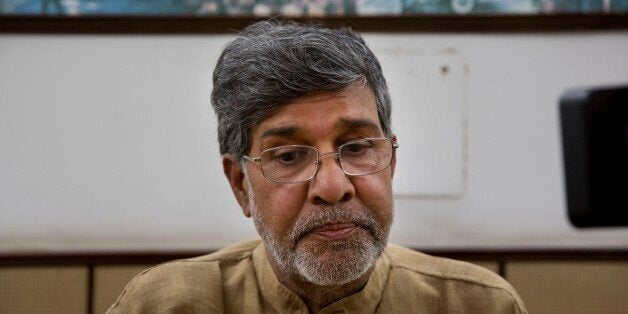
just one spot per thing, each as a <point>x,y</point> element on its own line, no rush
<point>43,289</point>
<point>571,287</point>
<point>109,282</point>
<point>156,257</point>
<point>225,25</point>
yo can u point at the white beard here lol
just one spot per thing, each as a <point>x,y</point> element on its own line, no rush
<point>296,258</point>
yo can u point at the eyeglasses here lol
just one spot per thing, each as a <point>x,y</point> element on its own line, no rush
<point>299,163</point>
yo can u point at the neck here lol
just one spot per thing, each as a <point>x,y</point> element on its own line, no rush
<point>317,297</point>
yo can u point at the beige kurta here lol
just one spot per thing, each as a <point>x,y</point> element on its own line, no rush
<point>239,279</point>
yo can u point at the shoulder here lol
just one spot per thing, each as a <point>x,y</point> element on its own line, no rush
<point>231,253</point>
<point>410,261</point>
<point>189,285</point>
<point>466,284</point>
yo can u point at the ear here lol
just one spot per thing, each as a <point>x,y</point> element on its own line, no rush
<point>393,163</point>
<point>235,176</point>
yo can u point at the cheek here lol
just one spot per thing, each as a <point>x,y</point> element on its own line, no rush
<point>281,205</point>
<point>375,192</point>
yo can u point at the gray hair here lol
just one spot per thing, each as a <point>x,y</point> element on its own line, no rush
<point>271,64</point>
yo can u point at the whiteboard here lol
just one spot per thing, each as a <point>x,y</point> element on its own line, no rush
<point>429,94</point>
<point>109,143</point>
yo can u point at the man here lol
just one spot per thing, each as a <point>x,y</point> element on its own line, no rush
<point>304,129</point>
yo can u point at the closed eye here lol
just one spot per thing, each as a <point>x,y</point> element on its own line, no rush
<point>356,148</point>
<point>290,157</point>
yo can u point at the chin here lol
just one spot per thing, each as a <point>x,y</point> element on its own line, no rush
<point>330,263</point>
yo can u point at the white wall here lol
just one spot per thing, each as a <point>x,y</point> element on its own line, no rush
<point>108,142</point>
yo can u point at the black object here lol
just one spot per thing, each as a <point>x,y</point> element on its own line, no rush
<point>595,148</point>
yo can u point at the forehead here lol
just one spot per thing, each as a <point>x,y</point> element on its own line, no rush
<point>323,113</point>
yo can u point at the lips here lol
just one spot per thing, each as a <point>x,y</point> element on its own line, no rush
<point>335,231</point>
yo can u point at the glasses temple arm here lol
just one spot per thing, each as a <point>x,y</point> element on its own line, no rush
<point>253,159</point>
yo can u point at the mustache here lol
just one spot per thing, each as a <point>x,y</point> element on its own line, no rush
<point>324,215</point>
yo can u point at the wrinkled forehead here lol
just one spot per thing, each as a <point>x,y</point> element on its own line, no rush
<point>319,113</point>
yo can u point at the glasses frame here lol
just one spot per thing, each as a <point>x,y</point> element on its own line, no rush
<point>319,155</point>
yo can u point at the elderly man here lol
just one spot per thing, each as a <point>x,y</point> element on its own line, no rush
<point>304,129</point>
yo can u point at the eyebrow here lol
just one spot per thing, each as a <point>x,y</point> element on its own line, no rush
<point>282,131</point>
<point>344,123</point>
<point>357,124</point>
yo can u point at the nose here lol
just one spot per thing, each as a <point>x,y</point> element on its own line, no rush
<point>330,185</point>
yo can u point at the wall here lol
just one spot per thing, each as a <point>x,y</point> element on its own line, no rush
<point>108,142</point>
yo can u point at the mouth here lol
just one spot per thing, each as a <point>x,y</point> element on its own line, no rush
<point>334,231</point>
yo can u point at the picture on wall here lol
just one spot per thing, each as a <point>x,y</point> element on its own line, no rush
<point>305,8</point>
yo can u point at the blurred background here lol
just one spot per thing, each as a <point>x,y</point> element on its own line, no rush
<point>109,160</point>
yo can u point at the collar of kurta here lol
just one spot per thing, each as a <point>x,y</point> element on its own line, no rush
<point>283,299</point>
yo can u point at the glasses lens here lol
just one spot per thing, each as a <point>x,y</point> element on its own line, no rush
<point>365,156</point>
<point>291,163</point>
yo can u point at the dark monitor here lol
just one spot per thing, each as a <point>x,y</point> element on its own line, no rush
<point>595,149</point>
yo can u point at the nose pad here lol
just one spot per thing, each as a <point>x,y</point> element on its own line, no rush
<point>336,159</point>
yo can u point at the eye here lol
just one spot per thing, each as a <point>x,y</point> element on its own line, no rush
<point>289,156</point>
<point>356,148</point>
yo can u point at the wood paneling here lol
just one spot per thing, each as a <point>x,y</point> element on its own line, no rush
<point>571,286</point>
<point>548,281</point>
<point>44,289</point>
<point>109,281</point>
<point>386,24</point>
